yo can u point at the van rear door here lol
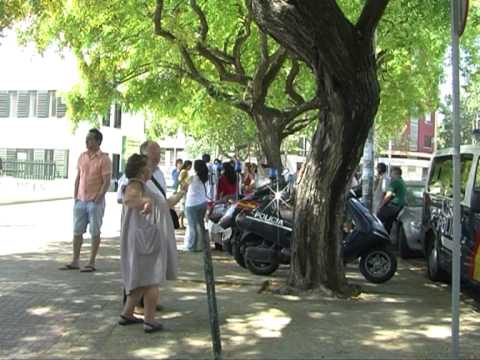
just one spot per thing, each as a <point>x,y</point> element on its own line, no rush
<point>471,235</point>
<point>440,191</point>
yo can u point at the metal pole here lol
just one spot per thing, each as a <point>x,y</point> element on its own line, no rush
<point>367,171</point>
<point>455,13</point>
<point>211,299</point>
<point>390,147</point>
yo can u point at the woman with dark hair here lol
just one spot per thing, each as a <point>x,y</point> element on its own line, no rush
<point>148,249</point>
<point>227,184</point>
<point>196,207</point>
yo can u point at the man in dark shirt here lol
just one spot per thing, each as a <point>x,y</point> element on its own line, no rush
<point>394,199</point>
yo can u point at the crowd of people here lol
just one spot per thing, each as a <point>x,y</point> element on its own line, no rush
<point>148,251</point>
<point>147,236</point>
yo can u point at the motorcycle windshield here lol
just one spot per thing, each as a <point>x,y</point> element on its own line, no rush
<point>370,219</point>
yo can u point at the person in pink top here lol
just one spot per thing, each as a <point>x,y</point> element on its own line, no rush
<point>92,182</point>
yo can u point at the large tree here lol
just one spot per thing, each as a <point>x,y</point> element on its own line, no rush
<point>209,47</point>
<point>342,55</point>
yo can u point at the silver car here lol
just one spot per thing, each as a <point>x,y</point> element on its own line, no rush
<point>406,232</point>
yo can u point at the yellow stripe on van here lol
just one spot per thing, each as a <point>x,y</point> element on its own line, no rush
<point>476,266</point>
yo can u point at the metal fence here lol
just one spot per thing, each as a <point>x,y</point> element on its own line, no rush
<point>30,170</point>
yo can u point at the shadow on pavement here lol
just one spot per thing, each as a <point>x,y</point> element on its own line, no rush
<point>59,314</point>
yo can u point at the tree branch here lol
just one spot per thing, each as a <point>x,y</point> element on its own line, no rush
<point>371,14</point>
<point>140,70</point>
<point>276,62</point>
<point>218,58</point>
<point>203,20</point>
<point>289,88</point>
<point>211,89</point>
<point>242,37</point>
<point>157,21</point>
<point>292,114</point>
<point>218,62</point>
<point>298,124</point>
<point>219,65</point>
<point>267,70</point>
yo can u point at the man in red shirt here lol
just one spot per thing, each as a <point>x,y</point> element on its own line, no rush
<point>92,182</point>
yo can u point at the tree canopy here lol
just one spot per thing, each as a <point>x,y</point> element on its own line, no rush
<point>213,48</point>
<point>195,49</point>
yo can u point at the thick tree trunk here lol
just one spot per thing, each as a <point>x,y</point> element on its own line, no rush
<point>336,150</point>
<point>342,57</point>
<point>270,139</point>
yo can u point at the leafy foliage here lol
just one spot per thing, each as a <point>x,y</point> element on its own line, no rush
<point>122,60</point>
<point>468,121</point>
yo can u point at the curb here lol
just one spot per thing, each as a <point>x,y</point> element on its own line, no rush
<point>14,202</point>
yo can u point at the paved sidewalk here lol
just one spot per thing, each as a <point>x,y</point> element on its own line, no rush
<point>46,313</point>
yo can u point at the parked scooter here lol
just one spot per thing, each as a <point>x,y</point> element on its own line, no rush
<point>266,242</point>
<point>271,199</point>
<point>224,215</point>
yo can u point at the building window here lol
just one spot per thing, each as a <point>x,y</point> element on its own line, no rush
<point>23,104</point>
<point>427,141</point>
<point>13,102</point>
<point>117,117</point>
<point>43,104</point>
<point>61,108</point>
<point>33,103</point>
<point>4,104</point>
<point>413,145</point>
<point>53,105</point>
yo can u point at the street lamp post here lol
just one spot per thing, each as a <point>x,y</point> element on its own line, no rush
<point>459,15</point>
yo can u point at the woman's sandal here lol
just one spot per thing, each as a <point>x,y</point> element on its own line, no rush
<point>129,321</point>
<point>151,328</point>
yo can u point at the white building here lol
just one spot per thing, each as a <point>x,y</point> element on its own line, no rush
<point>37,141</point>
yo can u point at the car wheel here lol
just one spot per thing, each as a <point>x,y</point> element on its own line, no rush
<point>434,270</point>
<point>403,248</point>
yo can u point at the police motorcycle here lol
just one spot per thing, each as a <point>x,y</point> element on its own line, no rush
<point>259,223</point>
<point>244,205</point>
<point>266,237</point>
<point>221,216</point>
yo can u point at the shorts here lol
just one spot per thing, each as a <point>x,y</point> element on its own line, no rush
<point>88,213</point>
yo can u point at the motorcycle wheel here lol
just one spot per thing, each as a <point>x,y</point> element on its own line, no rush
<point>378,265</point>
<point>260,268</point>
<point>237,253</point>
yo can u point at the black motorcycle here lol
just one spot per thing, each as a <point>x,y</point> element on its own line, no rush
<point>265,241</point>
<point>223,214</point>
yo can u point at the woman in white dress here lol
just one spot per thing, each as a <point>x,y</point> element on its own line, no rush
<point>148,246</point>
<point>196,207</point>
